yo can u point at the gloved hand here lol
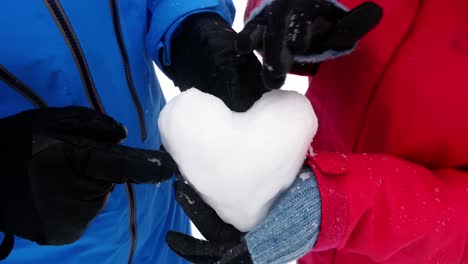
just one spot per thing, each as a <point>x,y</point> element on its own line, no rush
<point>295,35</point>
<point>203,56</point>
<point>58,167</point>
<point>288,232</point>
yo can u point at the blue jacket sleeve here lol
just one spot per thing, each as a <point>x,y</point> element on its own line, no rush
<point>167,15</point>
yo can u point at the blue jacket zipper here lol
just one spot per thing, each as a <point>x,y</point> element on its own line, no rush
<point>57,12</point>
<point>61,19</point>
<point>126,62</point>
<point>141,117</point>
<point>21,88</point>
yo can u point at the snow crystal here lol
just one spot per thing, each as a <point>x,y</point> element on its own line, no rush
<point>155,160</point>
<point>239,162</point>
<point>380,182</point>
<point>190,201</point>
<point>311,152</point>
<point>304,176</point>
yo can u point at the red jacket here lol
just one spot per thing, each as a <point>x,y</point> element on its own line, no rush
<point>401,97</point>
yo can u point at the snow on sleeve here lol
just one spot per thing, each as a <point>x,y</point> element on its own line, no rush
<point>391,210</point>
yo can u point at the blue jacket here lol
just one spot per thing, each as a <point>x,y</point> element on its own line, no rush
<point>100,53</point>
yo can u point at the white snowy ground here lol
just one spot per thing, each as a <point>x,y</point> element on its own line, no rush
<point>294,83</point>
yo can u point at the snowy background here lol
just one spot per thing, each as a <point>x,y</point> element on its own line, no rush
<point>295,83</point>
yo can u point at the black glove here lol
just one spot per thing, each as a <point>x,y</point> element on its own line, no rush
<point>203,56</point>
<point>289,230</point>
<point>58,167</point>
<point>294,35</point>
<point>225,243</point>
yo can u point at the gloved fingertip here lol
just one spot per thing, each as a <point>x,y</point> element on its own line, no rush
<point>119,133</point>
<point>101,127</point>
<point>354,26</point>
<point>171,236</point>
<point>181,243</point>
<point>272,82</point>
<point>124,134</point>
<point>173,239</point>
<point>372,9</point>
<point>366,16</point>
<point>371,5</point>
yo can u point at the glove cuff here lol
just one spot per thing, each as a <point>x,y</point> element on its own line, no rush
<point>259,9</point>
<point>313,58</point>
<point>325,56</point>
<point>292,226</point>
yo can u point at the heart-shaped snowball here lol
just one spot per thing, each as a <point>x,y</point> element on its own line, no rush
<point>239,162</point>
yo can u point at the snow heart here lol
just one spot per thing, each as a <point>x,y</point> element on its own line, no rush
<point>239,162</point>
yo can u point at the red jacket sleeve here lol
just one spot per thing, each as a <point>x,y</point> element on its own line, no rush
<point>391,210</point>
<point>251,5</point>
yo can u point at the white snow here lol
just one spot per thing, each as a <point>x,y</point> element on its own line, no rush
<point>239,162</point>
